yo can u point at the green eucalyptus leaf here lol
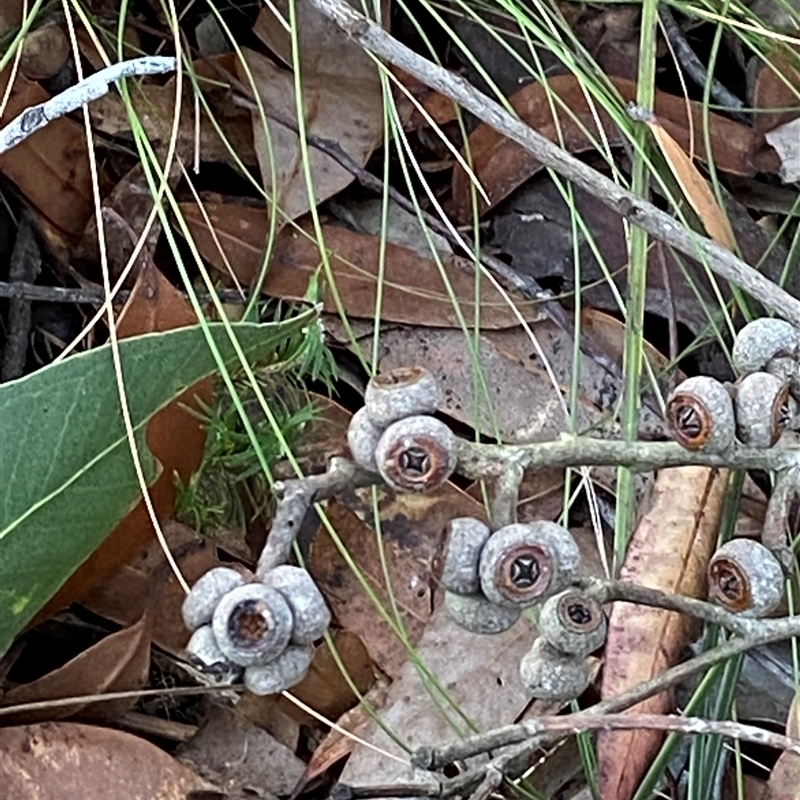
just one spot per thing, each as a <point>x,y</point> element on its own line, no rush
<point>66,472</point>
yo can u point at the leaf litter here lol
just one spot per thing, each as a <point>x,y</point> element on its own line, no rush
<point>343,103</point>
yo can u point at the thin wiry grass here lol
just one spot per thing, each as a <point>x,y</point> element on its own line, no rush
<point>557,36</point>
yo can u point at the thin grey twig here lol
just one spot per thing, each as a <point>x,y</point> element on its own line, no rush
<point>514,762</point>
<point>295,497</point>
<point>636,209</point>
<point>584,721</point>
<point>623,591</point>
<point>695,68</point>
<point>773,533</point>
<point>21,290</point>
<point>477,460</point>
<point>36,117</point>
<point>26,262</point>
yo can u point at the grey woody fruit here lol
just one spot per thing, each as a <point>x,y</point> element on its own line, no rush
<point>475,613</point>
<point>416,454</point>
<point>524,563</point>
<point>399,393</point>
<point>252,624</point>
<point>763,409</point>
<point>287,670</point>
<point>362,439</point>
<point>201,602</point>
<point>310,615</point>
<point>700,415</point>
<point>203,647</point>
<point>573,623</point>
<point>466,537</point>
<point>551,675</point>
<point>746,578</point>
<point>762,342</point>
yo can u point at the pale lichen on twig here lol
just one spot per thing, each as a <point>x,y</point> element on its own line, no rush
<point>36,117</point>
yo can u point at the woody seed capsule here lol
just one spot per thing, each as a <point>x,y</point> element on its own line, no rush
<point>399,393</point>
<point>475,613</point>
<point>466,537</point>
<point>551,675</point>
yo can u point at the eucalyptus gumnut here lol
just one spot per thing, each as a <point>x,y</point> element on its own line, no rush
<point>466,537</point>
<point>362,439</point>
<point>416,454</point>
<point>523,563</point>
<point>700,415</point>
<point>310,615</point>
<point>549,674</point>
<point>573,623</point>
<point>287,670</point>
<point>203,647</point>
<point>475,613</point>
<point>769,345</point>
<point>746,578</point>
<point>252,624</point>
<point>399,393</point>
<point>201,602</point>
<point>763,409</point>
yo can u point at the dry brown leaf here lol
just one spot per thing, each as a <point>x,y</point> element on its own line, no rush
<point>439,108</point>
<point>118,663</point>
<point>342,99</point>
<point>155,107</point>
<point>481,679</point>
<point>124,597</point>
<point>233,753</point>
<point>669,550</point>
<point>501,165</point>
<point>784,782</point>
<point>776,94</point>
<point>413,290</point>
<point>336,745</point>
<point>412,527</point>
<point>51,167</point>
<point>694,186</point>
<point>324,688</point>
<point>68,761</point>
<point>174,436</point>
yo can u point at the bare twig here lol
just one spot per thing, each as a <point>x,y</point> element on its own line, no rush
<point>515,761</point>
<point>477,460</point>
<point>295,497</point>
<point>26,262</point>
<point>585,721</point>
<point>36,117</point>
<point>623,591</point>
<point>21,290</point>
<point>695,68</point>
<point>773,534</point>
<point>636,209</point>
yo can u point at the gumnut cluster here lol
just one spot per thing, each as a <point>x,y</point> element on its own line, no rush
<point>395,434</point>
<point>263,626</point>
<point>704,414</point>
<point>744,576</point>
<point>489,578</point>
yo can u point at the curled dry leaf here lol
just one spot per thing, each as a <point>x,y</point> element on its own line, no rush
<point>501,165</point>
<point>669,551</point>
<point>342,99</point>
<point>784,782</point>
<point>155,106</point>
<point>413,289</point>
<point>694,186</point>
<point>51,168</point>
<point>118,663</point>
<point>68,761</point>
